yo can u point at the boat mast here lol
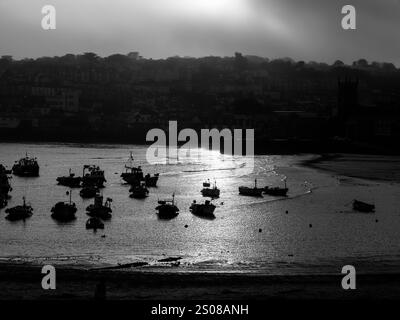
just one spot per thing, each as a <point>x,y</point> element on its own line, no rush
<point>129,164</point>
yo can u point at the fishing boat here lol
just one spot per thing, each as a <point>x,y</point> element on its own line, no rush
<point>251,192</point>
<point>167,209</point>
<point>5,186</point>
<point>93,176</point>
<point>203,209</point>
<point>94,223</point>
<point>26,167</point>
<point>213,192</point>
<point>99,209</point>
<point>19,212</point>
<point>140,191</point>
<point>132,175</point>
<point>363,206</point>
<point>151,181</point>
<point>89,192</point>
<point>276,191</point>
<point>64,211</point>
<point>70,180</point>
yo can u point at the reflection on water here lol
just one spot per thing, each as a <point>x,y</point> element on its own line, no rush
<point>230,242</point>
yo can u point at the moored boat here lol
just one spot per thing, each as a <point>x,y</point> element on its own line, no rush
<point>64,211</point>
<point>167,209</point>
<point>276,191</point>
<point>363,206</point>
<point>151,181</point>
<point>26,167</point>
<point>5,186</point>
<point>213,192</point>
<point>251,192</point>
<point>132,175</point>
<point>70,180</point>
<point>203,209</point>
<point>93,176</point>
<point>140,191</point>
<point>100,209</point>
<point>21,212</point>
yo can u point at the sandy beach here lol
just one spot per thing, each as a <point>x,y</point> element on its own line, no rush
<point>370,167</point>
<point>23,282</point>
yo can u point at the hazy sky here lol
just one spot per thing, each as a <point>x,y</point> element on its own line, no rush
<point>301,29</point>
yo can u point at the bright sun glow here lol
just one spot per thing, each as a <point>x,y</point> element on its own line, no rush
<point>212,8</point>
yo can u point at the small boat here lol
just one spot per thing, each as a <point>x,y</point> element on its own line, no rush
<point>26,167</point>
<point>100,210</point>
<point>363,206</point>
<point>151,181</point>
<point>64,211</point>
<point>93,176</point>
<point>167,209</point>
<point>205,209</point>
<point>276,191</point>
<point>139,192</point>
<point>251,192</point>
<point>19,212</point>
<point>5,186</point>
<point>132,175</point>
<point>89,192</point>
<point>70,180</point>
<point>94,223</point>
<point>213,192</point>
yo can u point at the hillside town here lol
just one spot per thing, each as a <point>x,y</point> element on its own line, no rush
<point>122,96</point>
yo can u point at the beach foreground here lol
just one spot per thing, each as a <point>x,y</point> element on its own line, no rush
<point>23,282</point>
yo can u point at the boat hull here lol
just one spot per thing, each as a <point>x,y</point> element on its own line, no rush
<point>167,211</point>
<point>250,192</point>
<point>25,171</point>
<point>211,193</point>
<point>277,192</point>
<point>63,212</point>
<point>203,210</point>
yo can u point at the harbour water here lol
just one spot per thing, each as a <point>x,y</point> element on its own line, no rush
<point>313,230</point>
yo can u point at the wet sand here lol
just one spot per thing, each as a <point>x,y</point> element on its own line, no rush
<point>23,282</point>
<point>371,167</point>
